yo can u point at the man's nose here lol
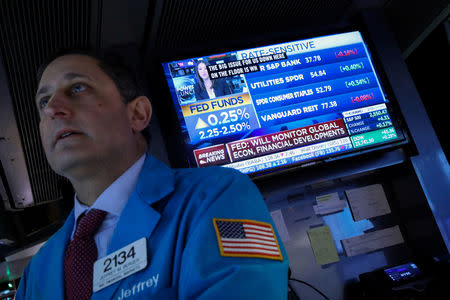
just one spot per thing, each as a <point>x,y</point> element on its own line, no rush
<point>59,105</point>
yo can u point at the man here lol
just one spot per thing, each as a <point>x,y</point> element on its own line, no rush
<point>159,233</point>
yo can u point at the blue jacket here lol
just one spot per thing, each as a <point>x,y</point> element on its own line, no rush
<point>174,210</point>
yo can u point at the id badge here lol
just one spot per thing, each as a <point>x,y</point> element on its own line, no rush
<point>120,264</point>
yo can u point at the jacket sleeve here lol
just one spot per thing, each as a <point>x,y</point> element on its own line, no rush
<point>205,273</point>
<point>21,293</point>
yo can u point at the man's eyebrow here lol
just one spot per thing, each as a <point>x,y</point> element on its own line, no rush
<point>68,76</point>
<point>72,75</point>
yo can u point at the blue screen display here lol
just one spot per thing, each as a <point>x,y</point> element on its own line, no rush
<point>403,272</point>
<point>280,105</point>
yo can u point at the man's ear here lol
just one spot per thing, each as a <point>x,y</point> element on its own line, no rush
<point>139,113</point>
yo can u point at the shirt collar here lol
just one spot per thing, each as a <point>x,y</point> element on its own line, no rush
<point>114,198</point>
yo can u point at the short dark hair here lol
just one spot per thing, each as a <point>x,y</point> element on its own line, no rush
<point>127,79</point>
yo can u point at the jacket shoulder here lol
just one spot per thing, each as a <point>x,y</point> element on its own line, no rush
<point>209,173</point>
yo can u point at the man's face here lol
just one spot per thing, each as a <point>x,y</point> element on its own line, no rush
<point>76,97</point>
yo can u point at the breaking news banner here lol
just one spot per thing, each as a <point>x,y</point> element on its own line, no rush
<point>291,156</point>
<point>211,156</point>
<point>270,143</point>
<point>283,140</point>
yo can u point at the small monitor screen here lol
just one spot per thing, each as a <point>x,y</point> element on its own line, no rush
<point>403,272</point>
<point>278,106</point>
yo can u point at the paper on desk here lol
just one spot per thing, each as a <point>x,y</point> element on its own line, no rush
<point>372,241</point>
<point>300,212</point>
<point>278,220</point>
<point>327,197</point>
<point>322,245</point>
<point>329,208</point>
<point>368,202</point>
<point>329,203</point>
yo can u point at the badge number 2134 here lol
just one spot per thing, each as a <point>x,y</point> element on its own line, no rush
<point>118,259</point>
<point>120,264</point>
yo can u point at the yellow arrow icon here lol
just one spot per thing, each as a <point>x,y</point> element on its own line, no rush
<point>201,124</point>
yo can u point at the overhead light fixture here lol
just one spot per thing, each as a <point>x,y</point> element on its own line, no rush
<point>6,242</point>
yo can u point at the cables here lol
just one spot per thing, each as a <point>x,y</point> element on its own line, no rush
<point>291,293</point>
<point>301,281</point>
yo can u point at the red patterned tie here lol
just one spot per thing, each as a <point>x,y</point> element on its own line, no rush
<point>81,253</point>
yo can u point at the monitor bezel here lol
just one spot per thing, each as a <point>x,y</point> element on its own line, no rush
<point>172,127</point>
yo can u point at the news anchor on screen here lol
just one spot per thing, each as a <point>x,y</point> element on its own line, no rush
<point>207,88</point>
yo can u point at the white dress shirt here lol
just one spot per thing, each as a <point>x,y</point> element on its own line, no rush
<point>112,200</point>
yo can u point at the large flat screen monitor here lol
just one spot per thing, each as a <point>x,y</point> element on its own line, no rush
<point>280,106</point>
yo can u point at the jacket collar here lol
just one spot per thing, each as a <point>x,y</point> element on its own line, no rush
<point>138,218</point>
<point>155,181</point>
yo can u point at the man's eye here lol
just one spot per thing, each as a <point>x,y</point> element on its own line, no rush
<point>43,101</point>
<point>76,88</point>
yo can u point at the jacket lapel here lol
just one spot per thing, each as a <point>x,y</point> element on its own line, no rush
<point>138,218</point>
<point>54,265</point>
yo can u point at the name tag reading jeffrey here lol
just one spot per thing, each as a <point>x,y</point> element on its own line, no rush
<point>120,264</point>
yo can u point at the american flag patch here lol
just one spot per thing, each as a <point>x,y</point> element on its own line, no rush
<point>247,238</point>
